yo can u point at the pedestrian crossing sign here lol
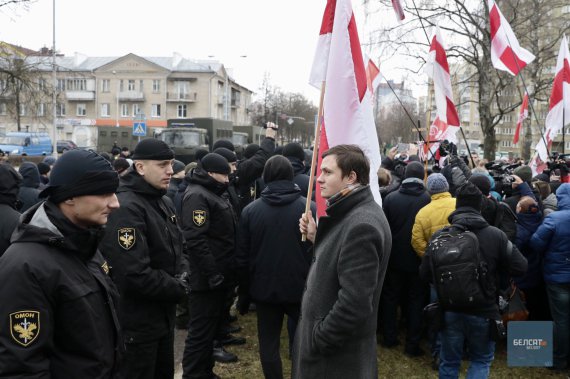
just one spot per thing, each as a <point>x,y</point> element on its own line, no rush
<point>139,129</point>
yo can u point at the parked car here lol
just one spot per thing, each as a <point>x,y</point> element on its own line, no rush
<point>65,145</point>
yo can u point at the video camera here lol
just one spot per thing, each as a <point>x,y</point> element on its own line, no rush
<point>502,173</point>
<point>447,148</point>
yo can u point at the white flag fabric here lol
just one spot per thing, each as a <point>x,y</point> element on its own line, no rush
<point>506,53</point>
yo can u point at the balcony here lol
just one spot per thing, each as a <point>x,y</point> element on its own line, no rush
<point>236,103</point>
<point>80,95</point>
<point>131,96</point>
<point>188,97</point>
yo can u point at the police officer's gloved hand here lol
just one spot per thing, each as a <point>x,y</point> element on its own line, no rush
<point>215,281</point>
<point>183,281</point>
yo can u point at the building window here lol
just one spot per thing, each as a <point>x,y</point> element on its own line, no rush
<point>156,86</point>
<point>506,143</point>
<point>182,111</point>
<point>124,110</point>
<point>105,110</point>
<point>3,109</point>
<point>136,110</point>
<point>155,110</point>
<point>22,109</point>
<point>42,84</point>
<point>81,110</point>
<point>60,109</point>
<point>131,85</point>
<point>77,84</point>
<point>60,85</point>
<point>141,85</point>
<point>41,109</point>
<point>105,85</point>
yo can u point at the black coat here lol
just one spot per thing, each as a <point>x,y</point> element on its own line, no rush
<point>144,247</point>
<point>493,245</point>
<point>250,169</point>
<point>209,227</point>
<point>10,182</point>
<point>55,282</point>
<point>400,208</point>
<point>270,248</point>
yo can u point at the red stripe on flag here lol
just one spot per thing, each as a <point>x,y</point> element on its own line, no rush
<point>517,133</point>
<point>372,71</point>
<point>328,18</point>
<point>357,60</point>
<point>323,146</point>
<point>452,116</point>
<point>495,20</point>
<point>557,88</point>
<point>440,56</point>
<point>510,59</point>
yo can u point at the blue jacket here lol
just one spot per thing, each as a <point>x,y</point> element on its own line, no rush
<point>553,239</point>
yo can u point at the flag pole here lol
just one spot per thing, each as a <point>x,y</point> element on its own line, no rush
<point>315,155</point>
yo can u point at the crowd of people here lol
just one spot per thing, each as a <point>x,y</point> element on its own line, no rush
<point>103,256</point>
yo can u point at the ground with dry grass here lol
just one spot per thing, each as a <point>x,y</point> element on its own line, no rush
<point>392,363</point>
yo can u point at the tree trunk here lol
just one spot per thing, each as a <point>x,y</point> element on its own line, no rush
<point>489,143</point>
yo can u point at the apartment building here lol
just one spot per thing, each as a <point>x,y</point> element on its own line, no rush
<point>117,91</point>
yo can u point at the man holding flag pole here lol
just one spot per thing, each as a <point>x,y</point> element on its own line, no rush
<point>336,334</point>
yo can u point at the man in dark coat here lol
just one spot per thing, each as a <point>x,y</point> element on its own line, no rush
<point>10,182</point>
<point>251,168</point>
<point>209,227</point>
<point>272,260</point>
<point>57,318</point>
<point>402,283</point>
<point>336,335</point>
<point>144,246</point>
<point>472,326</point>
<point>176,179</point>
<point>296,155</point>
<point>29,194</point>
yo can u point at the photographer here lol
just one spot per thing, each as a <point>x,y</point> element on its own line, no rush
<point>525,173</point>
<point>455,170</point>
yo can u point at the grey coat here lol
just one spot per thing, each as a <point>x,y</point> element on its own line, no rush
<point>336,334</point>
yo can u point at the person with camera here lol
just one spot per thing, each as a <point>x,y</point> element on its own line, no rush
<point>471,324</point>
<point>454,169</point>
<point>525,174</point>
<point>209,228</point>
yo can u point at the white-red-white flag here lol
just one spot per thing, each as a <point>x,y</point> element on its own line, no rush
<point>372,76</point>
<point>559,110</point>
<point>397,5</point>
<point>446,123</point>
<point>523,114</point>
<point>506,53</point>
<point>347,108</point>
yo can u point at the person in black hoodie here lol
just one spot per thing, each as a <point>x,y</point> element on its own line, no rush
<point>144,246</point>
<point>402,283</point>
<point>209,227</point>
<point>29,194</point>
<point>472,326</point>
<point>10,182</point>
<point>296,155</point>
<point>272,260</point>
<point>57,318</point>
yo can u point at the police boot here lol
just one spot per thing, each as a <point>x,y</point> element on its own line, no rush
<point>221,355</point>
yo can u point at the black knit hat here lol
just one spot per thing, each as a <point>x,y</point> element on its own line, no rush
<point>152,149</point>
<point>224,143</point>
<point>414,170</point>
<point>226,153</point>
<point>277,168</point>
<point>200,153</point>
<point>468,195</point>
<point>294,150</point>
<point>213,162</point>
<point>177,166</point>
<point>482,182</point>
<point>121,164</point>
<point>43,168</point>
<point>80,173</point>
<point>250,150</point>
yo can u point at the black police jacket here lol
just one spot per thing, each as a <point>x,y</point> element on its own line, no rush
<point>209,227</point>
<point>144,247</point>
<point>250,169</point>
<point>57,313</point>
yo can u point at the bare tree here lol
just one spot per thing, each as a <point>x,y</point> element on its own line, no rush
<point>539,24</point>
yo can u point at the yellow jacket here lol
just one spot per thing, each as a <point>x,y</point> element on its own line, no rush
<point>430,219</point>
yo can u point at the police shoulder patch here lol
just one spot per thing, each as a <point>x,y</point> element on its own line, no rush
<point>25,326</point>
<point>126,237</point>
<point>199,217</point>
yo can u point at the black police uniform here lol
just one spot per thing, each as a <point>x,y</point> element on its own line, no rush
<point>251,169</point>
<point>57,316</point>
<point>208,224</point>
<point>144,247</point>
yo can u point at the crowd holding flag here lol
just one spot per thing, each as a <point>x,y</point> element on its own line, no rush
<point>523,114</point>
<point>506,53</point>
<point>347,108</point>
<point>446,123</point>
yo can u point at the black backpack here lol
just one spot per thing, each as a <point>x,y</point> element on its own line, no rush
<point>459,272</point>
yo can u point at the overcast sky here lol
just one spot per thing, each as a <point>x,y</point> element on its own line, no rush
<point>277,36</point>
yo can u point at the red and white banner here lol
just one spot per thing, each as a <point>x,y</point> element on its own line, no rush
<point>559,110</point>
<point>446,123</point>
<point>372,76</point>
<point>523,114</point>
<point>347,108</point>
<point>506,53</point>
